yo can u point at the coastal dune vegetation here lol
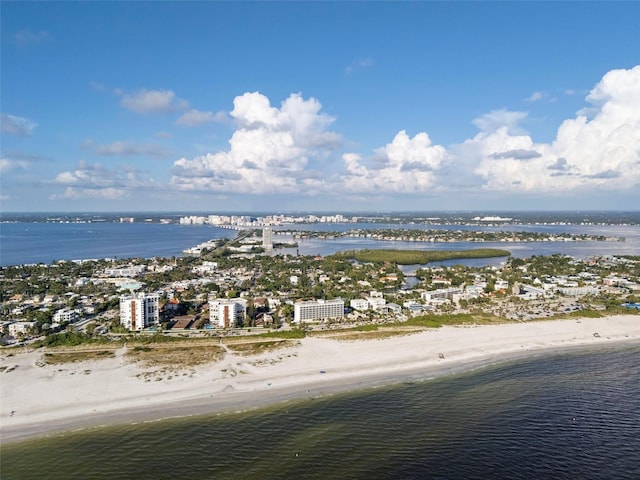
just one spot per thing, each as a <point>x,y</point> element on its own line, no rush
<point>415,257</point>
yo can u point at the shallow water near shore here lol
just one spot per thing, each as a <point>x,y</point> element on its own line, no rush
<point>563,415</point>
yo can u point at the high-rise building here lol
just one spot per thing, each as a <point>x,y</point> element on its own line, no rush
<point>225,313</point>
<point>267,238</point>
<point>318,310</point>
<point>139,310</point>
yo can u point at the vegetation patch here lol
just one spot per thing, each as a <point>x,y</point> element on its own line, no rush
<point>158,338</point>
<point>256,348</point>
<point>418,257</point>
<point>285,334</point>
<point>379,334</point>
<point>58,358</point>
<point>71,339</point>
<point>178,356</point>
<point>576,314</point>
<point>437,321</point>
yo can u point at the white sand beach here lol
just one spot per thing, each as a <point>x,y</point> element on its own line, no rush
<point>38,399</point>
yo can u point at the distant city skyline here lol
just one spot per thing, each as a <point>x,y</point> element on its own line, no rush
<point>319,106</point>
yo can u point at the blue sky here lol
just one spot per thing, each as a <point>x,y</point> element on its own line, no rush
<point>322,106</point>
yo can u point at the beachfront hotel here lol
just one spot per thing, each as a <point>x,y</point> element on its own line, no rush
<point>139,310</point>
<point>315,310</point>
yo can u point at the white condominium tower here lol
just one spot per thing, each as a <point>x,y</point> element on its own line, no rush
<point>318,310</point>
<point>225,313</point>
<point>267,238</point>
<point>139,310</point>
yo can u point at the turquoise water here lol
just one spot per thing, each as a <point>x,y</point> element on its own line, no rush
<point>572,415</point>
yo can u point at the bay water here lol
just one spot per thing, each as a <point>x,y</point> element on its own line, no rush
<point>45,242</point>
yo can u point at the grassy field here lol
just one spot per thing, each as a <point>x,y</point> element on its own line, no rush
<point>418,257</point>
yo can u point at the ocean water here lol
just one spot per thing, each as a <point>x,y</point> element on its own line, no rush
<point>571,415</point>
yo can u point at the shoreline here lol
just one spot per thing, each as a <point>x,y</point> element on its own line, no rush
<point>38,401</point>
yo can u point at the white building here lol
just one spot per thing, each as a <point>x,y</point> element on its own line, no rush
<point>413,306</point>
<point>65,315</point>
<point>139,311</point>
<point>530,292</point>
<point>267,238</point>
<point>205,268</point>
<point>225,313</point>
<point>129,271</point>
<point>359,304</point>
<point>20,327</point>
<point>393,308</point>
<point>318,310</point>
<point>578,291</point>
<point>376,302</point>
<point>441,294</point>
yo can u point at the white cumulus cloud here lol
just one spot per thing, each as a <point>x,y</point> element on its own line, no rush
<point>96,181</point>
<point>599,148</point>
<point>10,164</point>
<point>406,165</point>
<point>535,97</point>
<point>128,149</point>
<point>268,152</point>
<point>193,118</point>
<point>105,193</point>
<point>17,126</point>
<point>499,119</point>
<point>153,101</point>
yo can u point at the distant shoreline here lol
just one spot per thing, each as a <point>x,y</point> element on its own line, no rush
<point>112,391</point>
<point>434,217</point>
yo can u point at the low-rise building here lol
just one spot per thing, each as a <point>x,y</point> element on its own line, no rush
<point>128,271</point>
<point>359,304</point>
<point>376,303</point>
<point>578,291</point>
<point>440,294</point>
<point>205,268</point>
<point>20,327</point>
<point>65,316</point>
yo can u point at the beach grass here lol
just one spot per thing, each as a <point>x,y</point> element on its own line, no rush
<point>59,358</point>
<point>179,356</point>
<point>437,321</point>
<point>367,332</point>
<point>249,348</point>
